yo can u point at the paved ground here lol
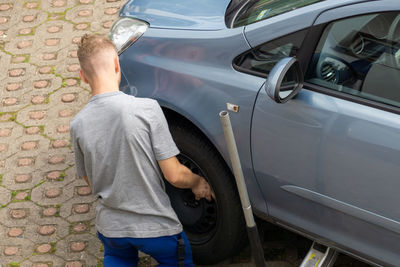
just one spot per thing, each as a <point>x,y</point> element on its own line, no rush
<point>46,212</point>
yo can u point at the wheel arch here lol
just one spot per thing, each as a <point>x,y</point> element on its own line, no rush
<point>174,117</point>
<point>258,202</point>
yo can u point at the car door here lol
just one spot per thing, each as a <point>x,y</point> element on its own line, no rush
<point>328,161</point>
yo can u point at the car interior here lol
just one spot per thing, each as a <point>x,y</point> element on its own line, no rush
<point>360,56</point>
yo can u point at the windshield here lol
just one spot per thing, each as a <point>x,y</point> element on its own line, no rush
<point>257,10</point>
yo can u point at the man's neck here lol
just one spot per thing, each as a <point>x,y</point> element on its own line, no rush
<point>101,86</point>
<point>103,91</point>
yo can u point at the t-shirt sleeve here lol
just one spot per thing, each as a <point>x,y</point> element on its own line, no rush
<point>79,159</point>
<point>164,146</point>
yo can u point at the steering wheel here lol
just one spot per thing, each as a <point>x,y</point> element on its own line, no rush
<point>394,39</point>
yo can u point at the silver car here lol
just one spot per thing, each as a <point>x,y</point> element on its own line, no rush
<point>313,89</point>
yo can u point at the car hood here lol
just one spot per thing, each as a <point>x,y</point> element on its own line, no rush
<point>179,14</point>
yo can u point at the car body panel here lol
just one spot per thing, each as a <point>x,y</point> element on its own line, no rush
<point>330,166</point>
<point>173,14</point>
<point>186,71</point>
<point>306,169</point>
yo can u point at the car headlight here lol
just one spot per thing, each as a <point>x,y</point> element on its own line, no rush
<point>125,31</point>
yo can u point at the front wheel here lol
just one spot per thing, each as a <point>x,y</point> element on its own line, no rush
<point>216,229</point>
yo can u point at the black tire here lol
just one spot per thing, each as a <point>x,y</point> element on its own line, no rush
<point>216,229</point>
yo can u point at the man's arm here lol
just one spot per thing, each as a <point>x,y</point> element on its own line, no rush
<point>79,158</point>
<point>182,177</point>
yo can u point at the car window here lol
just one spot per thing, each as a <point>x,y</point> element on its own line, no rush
<point>257,10</point>
<point>262,59</point>
<point>360,56</point>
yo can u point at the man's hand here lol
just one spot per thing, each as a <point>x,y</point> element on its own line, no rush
<point>203,190</point>
<point>180,176</point>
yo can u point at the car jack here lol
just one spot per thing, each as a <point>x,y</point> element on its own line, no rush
<point>319,256</point>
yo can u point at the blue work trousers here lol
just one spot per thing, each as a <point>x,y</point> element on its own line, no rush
<point>123,252</point>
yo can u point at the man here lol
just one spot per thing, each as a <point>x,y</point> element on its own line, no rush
<point>123,147</point>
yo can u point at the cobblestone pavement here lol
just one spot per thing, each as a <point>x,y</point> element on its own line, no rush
<point>46,212</point>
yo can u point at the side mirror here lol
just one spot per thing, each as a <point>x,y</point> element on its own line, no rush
<point>285,80</point>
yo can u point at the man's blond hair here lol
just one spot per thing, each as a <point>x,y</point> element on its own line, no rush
<point>89,46</point>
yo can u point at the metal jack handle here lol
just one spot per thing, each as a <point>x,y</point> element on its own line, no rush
<point>252,231</point>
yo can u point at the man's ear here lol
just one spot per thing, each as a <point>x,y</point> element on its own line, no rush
<point>116,64</point>
<point>83,77</point>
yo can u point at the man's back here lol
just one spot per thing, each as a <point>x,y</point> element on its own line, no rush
<point>122,144</point>
<point>118,141</point>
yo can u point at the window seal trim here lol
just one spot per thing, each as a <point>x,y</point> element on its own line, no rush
<point>265,75</point>
<point>246,70</point>
<point>351,98</point>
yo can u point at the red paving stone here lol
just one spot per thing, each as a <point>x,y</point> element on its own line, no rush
<point>33,130</point>
<point>31,5</point>
<point>81,208</point>
<point>63,129</point>
<point>67,98</point>
<point>5,7</point>
<point>54,175</point>
<point>3,20</point>
<point>43,248</point>
<point>53,192</point>
<point>54,29</point>
<point>37,115</point>
<point>79,228</point>
<point>56,159</point>
<point>78,246</point>
<point>49,56</point>
<point>10,101</point>
<point>66,113</point>
<point>38,99</point>
<point>25,161</point>
<point>13,86</point>
<point>18,214</point>
<point>14,232</point>
<point>74,264</point>
<point>22,178</point>
<point>49,212</point>
<point>29,145</point>
<point>45,70</point>
<point>28,18</point>
<point>60,143</point>
<point>59,3</point>
<point>25,31</point>
<point>3,147</point>
<point>41,84</point>
<point>18,59</point>
<point>21,196</point>
<point>84,191</point>
<point>47,230</point>
<point>52,42</point>
<point>10,251</point>
<point>16,72</point>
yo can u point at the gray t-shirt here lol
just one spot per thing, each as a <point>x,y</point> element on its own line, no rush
<point>117,141</point>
